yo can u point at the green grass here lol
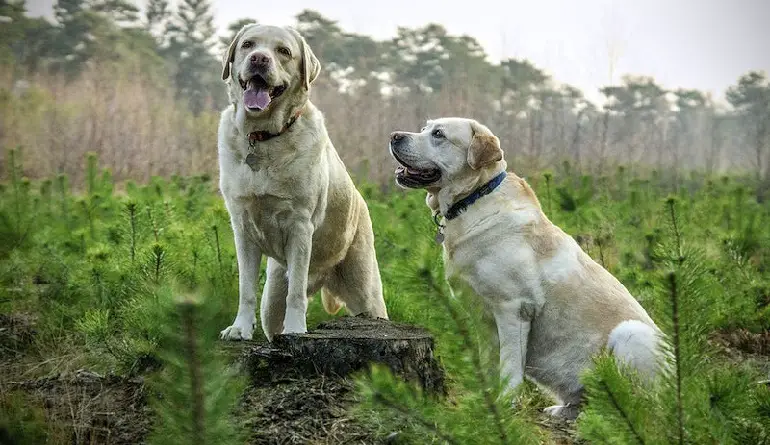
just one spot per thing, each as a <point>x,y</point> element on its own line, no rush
<point>100,269</point>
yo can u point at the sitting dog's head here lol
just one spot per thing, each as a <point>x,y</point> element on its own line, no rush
<point>448,151</point>
<point>264,64</point>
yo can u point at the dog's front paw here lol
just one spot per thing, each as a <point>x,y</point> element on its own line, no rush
<point>298,328</point>
<point>294,322</point>
<point>238,331</point>
<point>569,412</point>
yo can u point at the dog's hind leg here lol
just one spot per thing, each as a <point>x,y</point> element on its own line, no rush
<point>356,280</point>
<point>272,308</point>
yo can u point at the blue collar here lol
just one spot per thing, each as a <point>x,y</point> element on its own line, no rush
<point>464,203</point>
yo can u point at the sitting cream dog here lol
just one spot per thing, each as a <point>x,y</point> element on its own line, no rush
<point>554,306</point>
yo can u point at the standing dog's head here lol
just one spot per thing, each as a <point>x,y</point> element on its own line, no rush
<point>265,65</point>
<point>448,151</point>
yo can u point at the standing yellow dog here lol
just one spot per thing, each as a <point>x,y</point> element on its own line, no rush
<point>287,191</point>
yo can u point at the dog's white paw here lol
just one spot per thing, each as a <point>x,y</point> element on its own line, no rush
<point>238,331</point>
<point>298,328</point>
<point>295,322</point>
<point>567,411</point>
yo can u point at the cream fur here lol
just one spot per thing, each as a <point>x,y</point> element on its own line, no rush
<point>299,207</point>
<point>554,307</point>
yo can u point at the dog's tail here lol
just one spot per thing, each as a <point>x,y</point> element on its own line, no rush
<point>639,345</point>
<point>331,303</point>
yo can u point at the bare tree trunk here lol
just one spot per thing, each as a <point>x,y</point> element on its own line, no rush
<point>540,135</point>
<point>759,144</point>
<point>714,148</point>
<point>575,144</point>
<point>603,144</point>
<point>532,130</point>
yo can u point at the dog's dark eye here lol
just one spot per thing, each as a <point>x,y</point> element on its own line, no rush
<point>285,51</point>
<point>438,134</point>
<point>247,44</point>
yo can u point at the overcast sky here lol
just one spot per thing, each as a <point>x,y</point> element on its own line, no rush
<point>704,44</point>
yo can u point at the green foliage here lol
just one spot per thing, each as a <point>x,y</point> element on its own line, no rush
<point>196,387</point>
<point>478,401</point>
<point>698,399</point>
<point>20,420</point>
<point>102,271</point>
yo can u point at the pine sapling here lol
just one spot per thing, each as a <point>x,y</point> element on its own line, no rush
<point>130,209</point>
<point>677,359</point>
<point>197,388</point>
<point>548,176</point>
<point>215,229</point>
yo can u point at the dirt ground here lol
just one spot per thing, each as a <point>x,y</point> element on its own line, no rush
<point>281,406</point>
<point>284,404</point>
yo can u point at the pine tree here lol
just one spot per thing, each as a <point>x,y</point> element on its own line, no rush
<point>72,44</point>
<point>197,390</point>
<point>157,19</point>
<point>122,13</point>
<point>192,41</point>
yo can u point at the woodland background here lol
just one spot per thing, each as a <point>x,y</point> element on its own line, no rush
<point>142,90</point>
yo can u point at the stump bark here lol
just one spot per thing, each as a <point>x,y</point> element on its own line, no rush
<point>346,345</point>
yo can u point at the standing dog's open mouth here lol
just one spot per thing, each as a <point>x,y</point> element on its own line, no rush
<point>257,94</point>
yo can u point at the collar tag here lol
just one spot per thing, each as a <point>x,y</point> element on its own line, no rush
<point>251,161</point>
<point>439,228</point>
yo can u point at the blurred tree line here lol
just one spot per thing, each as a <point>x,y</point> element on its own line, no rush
<point>418,74</point>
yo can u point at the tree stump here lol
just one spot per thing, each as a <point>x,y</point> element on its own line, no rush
<point>346,345</point>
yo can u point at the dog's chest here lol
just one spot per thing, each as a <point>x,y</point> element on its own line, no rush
<point>262,204</point>
<point>491,263</point>
<point>241,180</point>
<point>266,221</point>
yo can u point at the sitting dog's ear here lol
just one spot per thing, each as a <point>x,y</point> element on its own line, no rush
<point>310,67</point>
<point>485,147</point>
<point>229,56</point>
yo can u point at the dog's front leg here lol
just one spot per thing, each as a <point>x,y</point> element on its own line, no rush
<point>249,257</point>
<point>298,249</point>
<point>513,320</point>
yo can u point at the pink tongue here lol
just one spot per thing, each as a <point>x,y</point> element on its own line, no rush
<point>257,99</point>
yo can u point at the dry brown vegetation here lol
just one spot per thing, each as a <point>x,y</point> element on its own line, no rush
<point>138,129</point>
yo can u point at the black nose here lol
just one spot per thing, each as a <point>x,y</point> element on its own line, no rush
<point>259,59</point>
<point>397,137</point>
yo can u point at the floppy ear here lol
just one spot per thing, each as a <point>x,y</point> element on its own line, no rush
<point>229,56</point>
<point>309,64</point>
<point>485,147</point>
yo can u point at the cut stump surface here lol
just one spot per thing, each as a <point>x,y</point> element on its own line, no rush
<point>346,345</point>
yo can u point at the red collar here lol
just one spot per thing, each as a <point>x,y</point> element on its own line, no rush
<point>260,136</point>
